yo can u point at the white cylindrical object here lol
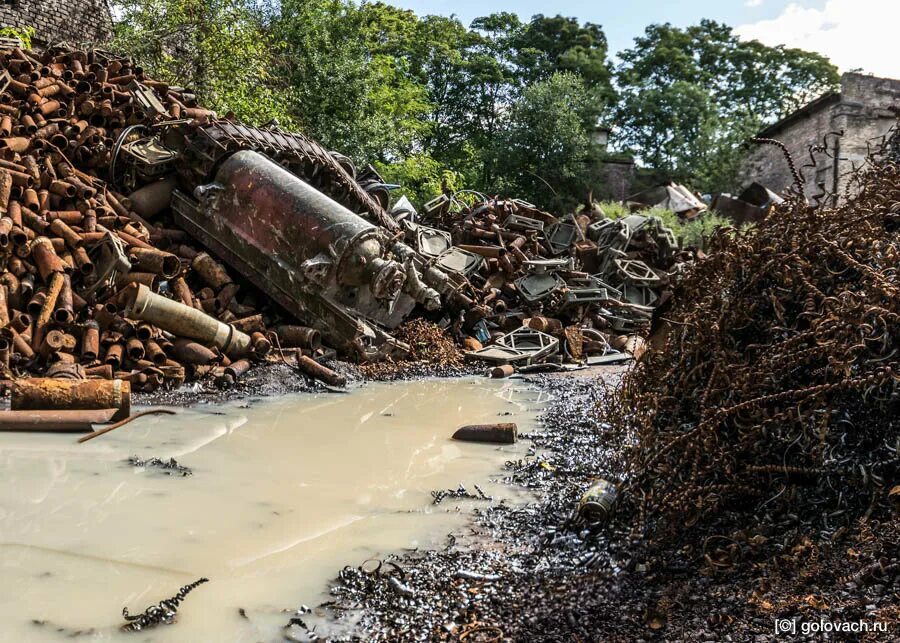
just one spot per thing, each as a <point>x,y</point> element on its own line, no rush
<point>186,321</point>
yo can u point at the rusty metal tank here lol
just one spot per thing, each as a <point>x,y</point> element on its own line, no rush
<point>286,217</point>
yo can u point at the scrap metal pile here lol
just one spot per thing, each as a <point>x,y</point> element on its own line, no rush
<point>575,287</point>
<point>144,238</point>
<point>778,388</point>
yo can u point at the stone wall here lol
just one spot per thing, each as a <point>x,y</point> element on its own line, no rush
<point>72,21</point>
<point>616,177</point>
<point>862,111</point>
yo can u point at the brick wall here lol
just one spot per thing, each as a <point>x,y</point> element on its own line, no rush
<point>72,21</point>
<point>862,111</point>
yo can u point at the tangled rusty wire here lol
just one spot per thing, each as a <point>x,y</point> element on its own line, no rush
<point>773,385</point>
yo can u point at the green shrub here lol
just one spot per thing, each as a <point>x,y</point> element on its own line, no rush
<point>695,232</point>
<point>25,34</point>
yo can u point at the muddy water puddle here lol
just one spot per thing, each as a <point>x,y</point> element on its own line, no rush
<point>284,492</point>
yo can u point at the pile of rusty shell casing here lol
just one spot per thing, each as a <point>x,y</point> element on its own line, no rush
<point>60,114</point>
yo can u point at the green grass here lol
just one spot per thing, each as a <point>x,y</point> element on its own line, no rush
<point>689,233</point>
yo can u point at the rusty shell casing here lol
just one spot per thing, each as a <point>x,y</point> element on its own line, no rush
<point>238,368</point>
<point>45,258</point>
<point>250,324</point>
<point>60,421</point>
<point>184,321</point>
<point>499,433</point>
<point>299,337</point>
<point>101,371</point>
<point>47,393</point>
<point>500,372</point>
<point>261,344</point>
<point>155,353</point>
<point>90,341</point>
<point>114,355</point>
<point>153,198</point>
<point>210,271</point>
<point>157,261</point>
<point>134,348</point>
<point>19,344</point>
<point>187,351</point>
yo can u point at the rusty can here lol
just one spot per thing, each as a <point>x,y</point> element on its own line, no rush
<point>598,502</point>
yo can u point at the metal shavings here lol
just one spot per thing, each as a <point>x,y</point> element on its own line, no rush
<point>163,612</point>
<point>460,492</point>
<point>169,467</point>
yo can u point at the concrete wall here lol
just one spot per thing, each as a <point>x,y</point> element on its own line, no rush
<point>72,21</point>
<point>861,110</point>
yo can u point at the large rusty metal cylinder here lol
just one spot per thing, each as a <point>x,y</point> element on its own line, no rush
<point>49,393</point>
<point>295,223</point>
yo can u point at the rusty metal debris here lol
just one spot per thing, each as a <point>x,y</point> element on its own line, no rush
<point>774,383</point>
<point>750,206</point>
<point>149,240</point>
<point>499,433</point>
<point>671,196</point>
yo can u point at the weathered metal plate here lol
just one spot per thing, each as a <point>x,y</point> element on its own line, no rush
<point>460,261</point>
<point>432,242</point>
<point>537,285</point>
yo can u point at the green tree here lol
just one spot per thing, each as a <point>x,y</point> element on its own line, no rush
<point>219,48</point>
<point>550,44</point>
<point>546,155</point>
<point>350,83</point>
<point>689,97</point>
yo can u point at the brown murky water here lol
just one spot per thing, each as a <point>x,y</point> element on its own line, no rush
<point>284,493</point>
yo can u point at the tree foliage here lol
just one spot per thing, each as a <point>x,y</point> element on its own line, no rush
<point>219,48</point>
<point>501,105</point>
<point>690,97</point>
<point>545,150</point>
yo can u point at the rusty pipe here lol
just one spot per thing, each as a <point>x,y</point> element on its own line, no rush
<point>59,421</point>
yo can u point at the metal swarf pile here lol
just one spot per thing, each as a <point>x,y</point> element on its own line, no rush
<point>571,288</point>
<point>778,388</point>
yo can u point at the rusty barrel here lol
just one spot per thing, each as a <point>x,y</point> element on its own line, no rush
<point>48,393</point>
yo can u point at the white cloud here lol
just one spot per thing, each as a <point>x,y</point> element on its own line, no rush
<point>753,3</point>
<point>853,33</point>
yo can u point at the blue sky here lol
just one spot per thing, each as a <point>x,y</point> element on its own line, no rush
<point>855,34</point>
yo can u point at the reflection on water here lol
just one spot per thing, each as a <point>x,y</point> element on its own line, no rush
<point>284,493</point>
